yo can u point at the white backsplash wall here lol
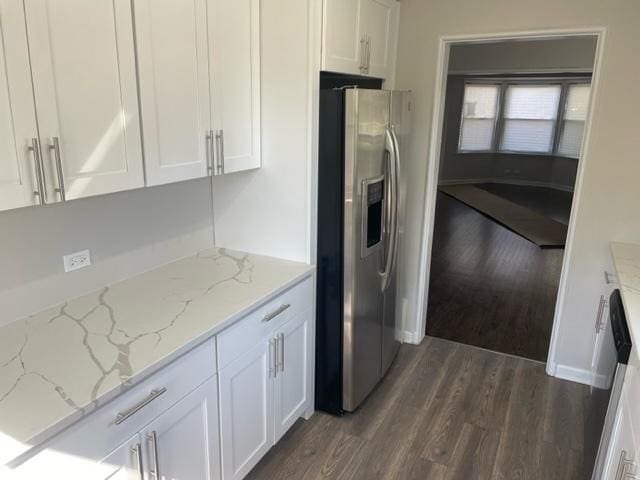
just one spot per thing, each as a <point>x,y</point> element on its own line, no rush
<point>127,233</point>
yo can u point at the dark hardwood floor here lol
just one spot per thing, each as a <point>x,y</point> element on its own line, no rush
<point>490,287</point>
<point>445,411</point>
<point>555,204</point>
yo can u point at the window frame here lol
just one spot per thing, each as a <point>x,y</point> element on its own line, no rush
<point>495,83</point>
<point>498,129</point>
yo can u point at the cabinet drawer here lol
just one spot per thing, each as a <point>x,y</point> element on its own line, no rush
<point>92,438</point>
<point>241,337</point>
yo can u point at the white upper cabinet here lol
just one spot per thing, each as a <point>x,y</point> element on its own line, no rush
<point>343,36</point>
<point>84,78</point>
<point>18,130</point>
<point>360,37</point>
<point>173,64</point>
<point>234,38</point>
<point>382,27</point>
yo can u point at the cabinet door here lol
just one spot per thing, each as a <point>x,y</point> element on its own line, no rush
<point>124,463</point>
<point>183,442</point>
<point>173,66</point>
<point>622,461</point>
<point>235,58</point>
<point>603,361</point>
<point>382,28</point>
<point>343,36</point>
<point>293,379</point>
<point>246,411</point>
<point>82,57</point>
<point>17,113</point>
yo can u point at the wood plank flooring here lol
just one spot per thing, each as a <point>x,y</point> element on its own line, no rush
<point>490,287</point>
<point>445,411</point>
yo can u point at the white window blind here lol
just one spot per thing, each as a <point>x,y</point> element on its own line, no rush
<point>575,115</point>
<point>530,113</point>
<point>479,112</point>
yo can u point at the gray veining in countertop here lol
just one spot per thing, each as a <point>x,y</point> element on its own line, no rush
<point>61,363</point>
<point>626,258</point>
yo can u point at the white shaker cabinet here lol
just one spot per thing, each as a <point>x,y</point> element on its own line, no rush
<point>183,442</point>
<point>19,186</point>
<point>343,36</point>
<point>360,37</point>
<point>293,381</point>
<point>124,463</point>
<point>622,457</point>
<point>234,38</point>
<point>266,375</point>
<point>173,65</point>
<point>199,74</point>
<point>84,79</point>
<point>382,17</point>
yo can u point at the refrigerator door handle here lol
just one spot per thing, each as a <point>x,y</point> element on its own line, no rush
<point>392,218</point>
<point>396,198</point>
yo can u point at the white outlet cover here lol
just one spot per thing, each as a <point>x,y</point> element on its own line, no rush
<point>76,260</point>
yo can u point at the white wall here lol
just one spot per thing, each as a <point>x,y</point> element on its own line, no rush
<point>266,211</point>
<point>127,233</point>
<point>609,188</point>
<point>524,56</point>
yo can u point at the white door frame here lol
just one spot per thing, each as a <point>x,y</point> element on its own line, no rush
<point>433,164</point>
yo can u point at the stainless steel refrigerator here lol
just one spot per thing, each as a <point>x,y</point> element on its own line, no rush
<point>360,212</point>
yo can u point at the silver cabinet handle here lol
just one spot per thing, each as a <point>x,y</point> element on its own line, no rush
<point>153,438</point>
<point>40,190</point>
<point>281,337</point>
<point>270,316</point>
<point>273,372</point>
<point>363,49</point>
<point>599,321</point>
<point>220,140</point>
<point>55,146</point>
<point>608,278</point>
<point>368,53</point>
<point>155,393</point>
<point>209,150</point>
<point>137,453</point>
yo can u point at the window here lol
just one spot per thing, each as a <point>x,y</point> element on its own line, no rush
<point>524,116</point>
<point>479,113</point>
<point>530,113</point>
<point>575,115</point>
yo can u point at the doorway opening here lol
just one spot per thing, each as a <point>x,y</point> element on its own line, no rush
<point>514,117</point>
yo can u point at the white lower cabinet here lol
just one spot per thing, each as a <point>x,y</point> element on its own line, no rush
<point>263,393</point>
<point>622,456</point>
<point>211,414</point>
<point>246,411</point>
<point>293,381</point>
<point>124,463</point>
<point>183,442</point>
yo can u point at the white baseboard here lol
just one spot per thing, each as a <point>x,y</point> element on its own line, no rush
<point>524,183</point>
<point>413,338</point>
<point>578,375</point>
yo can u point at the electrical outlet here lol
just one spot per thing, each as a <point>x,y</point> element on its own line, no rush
<point>76,260</point>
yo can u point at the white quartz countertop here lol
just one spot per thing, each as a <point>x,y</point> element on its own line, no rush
<point>60,364</point>
<point>626,258</point>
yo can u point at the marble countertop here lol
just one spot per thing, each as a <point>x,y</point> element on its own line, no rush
<point>626,258</point>
<point>60,364</point>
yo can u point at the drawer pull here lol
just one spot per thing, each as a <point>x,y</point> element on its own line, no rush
<point>122,416</point>
<point>270,316</point>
